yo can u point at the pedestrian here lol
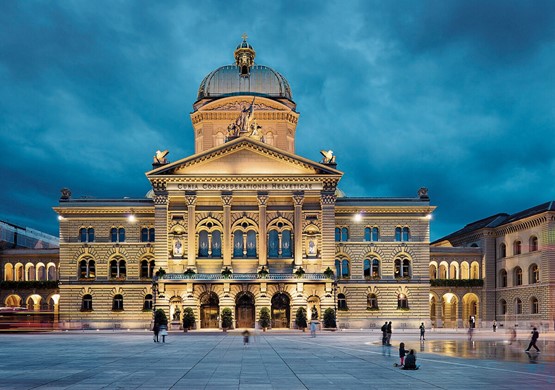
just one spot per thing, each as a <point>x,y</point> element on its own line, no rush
<point>470,333</point>
<point>402,353</point>
<point>388,341</point>
<point>246,335</point>
<point>384,333</point>
<point>163,332</point>
<point>156,330</point>
<point>313,325</point>
<point>410,361</point>
<point>512,335</point>
<point>535,336</point>
<point>494,326</point>
<point>422,331</point>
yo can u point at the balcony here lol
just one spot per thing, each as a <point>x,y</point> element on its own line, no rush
<point>244,277</point>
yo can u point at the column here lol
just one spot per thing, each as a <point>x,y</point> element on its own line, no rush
<point>327,203</point>
<point>191,229</point>
<point>262,233</point>
<point>161,229</point>
<point>226,247</point>
<point>298,199</point>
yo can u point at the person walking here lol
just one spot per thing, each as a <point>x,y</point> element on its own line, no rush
<point>246,335</point>
<point>422,331</point>
<point>533,339</point>
<point>163,332</point>
<point>494,326</point>
<point>384,333</point>
<point>313,325</point>
<point>156,330</point>
<point>389,332</point>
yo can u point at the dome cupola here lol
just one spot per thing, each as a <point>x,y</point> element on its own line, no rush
<point>244,56</point>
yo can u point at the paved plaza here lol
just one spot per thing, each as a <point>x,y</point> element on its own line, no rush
<point>272,360</point>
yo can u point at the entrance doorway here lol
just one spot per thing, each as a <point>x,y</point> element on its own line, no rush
<point>209,311</point>
<point>280,311</point>
<point>244,312</point>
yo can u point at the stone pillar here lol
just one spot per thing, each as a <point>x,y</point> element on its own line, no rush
<point>327,203</point>
<point>226,200</point>
<point>191,230</point>
<point>161,229</point>
<point>298,199</point>
<point>262,234</point>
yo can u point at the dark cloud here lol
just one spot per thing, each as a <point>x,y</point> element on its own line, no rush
<point>453,95</point>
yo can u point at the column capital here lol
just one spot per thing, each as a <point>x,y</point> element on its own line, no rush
<point>298,198</point>
<point>191,198</point>
<point>262,198</point>
<point>226,198</point>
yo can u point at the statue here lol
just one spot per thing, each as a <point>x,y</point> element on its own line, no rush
<point>314,313</point>
<point>160,157</point>
<point>177,314</point>
<point>177,248</point>
<point>243,122</point>
<point>329,158</point>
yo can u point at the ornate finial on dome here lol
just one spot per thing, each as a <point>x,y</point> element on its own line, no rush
<point>244,56</point>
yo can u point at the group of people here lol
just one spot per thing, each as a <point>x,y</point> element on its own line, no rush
<point>407,358</point>
<point>160,330</point>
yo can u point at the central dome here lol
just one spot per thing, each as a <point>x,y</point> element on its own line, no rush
<point>244,78</point>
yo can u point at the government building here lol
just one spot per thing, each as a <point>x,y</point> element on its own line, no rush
<point>246,224</point>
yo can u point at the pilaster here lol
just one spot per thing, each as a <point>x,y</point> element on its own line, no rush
<point>191,229</point>
<point>226,200</point>
<point>298,199</point>
<point>161,229</point>
<point>262,237</point>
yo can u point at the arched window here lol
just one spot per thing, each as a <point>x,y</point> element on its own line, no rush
<point>533,243</point>
<point>117,302</point>
<point>86,235</point>
<point>144,234</point>
<point>502,250</point>
<point>517,247</point>
<point>442,271</point>
<point>517,276</point>
<point>371,234</point>
<point>52,272</point>
<point>8,272</point>
<point>397,234</point>
<point>203,243</point>
<point>502,278</point>
<point>518,306</point>
<point>87,269</point>
<point>375,268</point>
<point>216,244</point>
<point>503,307</point>
<point>474,270</point>
<point>402,268</point>
<point>117,235</point>
<point>402,301</point>
<point>251,243</point>
<point>402,234</point>
<point>238,243</point>
<point>406,234</point>
<point>41,272</point>
<point>341,302</point>
<point>372,302</point>
<point>273,243</point>
<point>31,272</point>
<point>286,243</point>
<point>280,239</point>
<point>147,305</point>
<point>367,271</point>
<point>534,306</point>
<point>269,138</point>
<point>87,303</point>
<point>118,269</point>
<point>147,268</point>
<point>433,271</point>
<point>90,235</point>
<point>337,234</point>
<point>345,268</point>
<point>454,271</point>
<point>344,234</point>
<point>534,273</point>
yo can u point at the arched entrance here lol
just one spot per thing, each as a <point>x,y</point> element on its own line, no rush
<point>280,311</point>
<point>209,311</point>
<point>450,305</point>
<point>470,308</point>
<point>244,310</point>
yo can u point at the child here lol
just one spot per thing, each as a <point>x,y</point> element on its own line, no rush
<point>402,353</point>
<point>246,335</point>
<point>410,361</point>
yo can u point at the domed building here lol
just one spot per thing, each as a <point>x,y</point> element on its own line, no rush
<point>244,224</point>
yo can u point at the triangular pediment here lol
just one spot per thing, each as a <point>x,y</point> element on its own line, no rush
<point>247,157</point>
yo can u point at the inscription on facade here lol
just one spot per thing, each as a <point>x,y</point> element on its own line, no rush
<point>245,186</point>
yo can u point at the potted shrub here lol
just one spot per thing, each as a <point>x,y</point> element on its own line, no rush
<point>160,317</point>
<point>226,272</point>
<point>300,319</point>
<point>227,319</point>
<point>329,318</point>
<point>328,273</point>
<point>263,273</point>
<point>300,272</point>
<point>160,273</point>
<point>264,320</point>
<point>189,272</point>
<point>188,319</point>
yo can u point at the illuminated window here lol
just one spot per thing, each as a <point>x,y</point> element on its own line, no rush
<point>87,303</point>
<point>372,302</point>
<point>534,306</point>
<point>402,302</point>
<point>534,272</point>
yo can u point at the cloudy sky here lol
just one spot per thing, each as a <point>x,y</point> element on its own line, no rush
<point>456,96</point>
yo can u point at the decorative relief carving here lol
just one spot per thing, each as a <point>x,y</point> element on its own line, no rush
<point>238,106</point>
<point>160,199</point>
<point>226,199</point>
<point>191,199</point>
<point>262,199</point>
<point>327,198</point>
<point>298,198</point>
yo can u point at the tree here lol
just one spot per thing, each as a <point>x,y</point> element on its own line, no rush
<point>329,318</point>
<point>300,318</point>
<point>227,318</point>
<point>188,318</point>
<point>160,317</point>
<point>264,320</point>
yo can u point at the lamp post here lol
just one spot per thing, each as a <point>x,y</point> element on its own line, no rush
<point>154,295</point>
<point>335,300</point>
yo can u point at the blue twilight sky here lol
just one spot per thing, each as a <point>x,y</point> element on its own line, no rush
<point>456,96</point>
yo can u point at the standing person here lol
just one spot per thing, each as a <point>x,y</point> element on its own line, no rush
<point>535,336</point>
<point>389,332</point>
<point>246,335</point>
<point>422,331</point>
<point>402,353</point>
<point>494,326</point>
<point>410,361</point>
<point>156,330</point>
<point>384,333</point>
<point>163,332</point>
<point>513,335</point>
<point>313,328</point>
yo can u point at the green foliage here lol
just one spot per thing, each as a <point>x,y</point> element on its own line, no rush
<point>188,318</point>
<point>21,285</point>
<point>329,318</point>
<point>300,318</point>
<point>160,317</point>
<point>264,320</point>
<point>227,318</point>
<point>263,272</point>
<point>328,273</point>
<point>300,272</point>
<point>160,273</point>
<point>226,272</point>
<point>189,272</point>
<point>456,282</point>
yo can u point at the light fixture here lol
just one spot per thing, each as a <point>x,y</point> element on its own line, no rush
<point>428,217</point>
<point>131,217</point>
<point>357,217</point>
<point>60,218</point>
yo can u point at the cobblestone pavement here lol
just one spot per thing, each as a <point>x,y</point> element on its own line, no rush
<point>272,360</point>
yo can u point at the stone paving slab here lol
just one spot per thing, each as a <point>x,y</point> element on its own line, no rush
<point>272,360</point>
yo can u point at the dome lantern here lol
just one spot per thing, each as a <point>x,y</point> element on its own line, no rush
<point>244,56</point>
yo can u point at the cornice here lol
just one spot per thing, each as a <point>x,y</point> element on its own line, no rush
<point>372,210</point>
